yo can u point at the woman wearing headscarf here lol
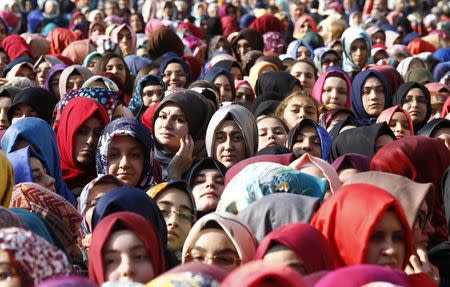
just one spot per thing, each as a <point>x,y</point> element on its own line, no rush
<point>246,40</point>
<point>164,40</point>
<point>305,23</point>
<point>216,232</point>
<point>42,67</point>
<point>356,44</point>
<point>149,90</point>
<point>125,234</point>
<point>410,63</point>
<point>31,258</point>
<point>224,81</point>
<point>38,134</point>
<point>174,72</point>
<point>279,81</point>
<point>22,68</point>
<point>60,38</point>
<point>6,185</point>
<point>81,123</point>
<point>77,51</point>
<point>398,120</point>
<point>299,50</point>
<point>391,75</point>
<point>437,128</point>
<point>52,80</point>
<point>333,88</point>
<point>370,96</point>
<point>259,69</point>
<point>378,213</point>
<point>349,164</point>
<point>415,98</point>
<point>127,140</point>
<point>125,38</point>
<point>231,135</point>
<point>72,78</point>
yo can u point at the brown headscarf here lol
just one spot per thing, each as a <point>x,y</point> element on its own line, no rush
<point>164,40</point>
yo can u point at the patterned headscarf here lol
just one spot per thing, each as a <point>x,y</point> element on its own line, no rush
<point>34,258</point>
<point>136,105</point>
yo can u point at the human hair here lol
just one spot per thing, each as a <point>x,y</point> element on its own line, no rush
<point>301,94</point>
<point>101,67</point>
<point>285,126</point>
<point>311,64</point>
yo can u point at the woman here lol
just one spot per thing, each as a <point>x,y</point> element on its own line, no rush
<point>174,72</point>
<point>42,66</point>
<point>224,81</point>
<point>125,38</point>
<point>125,150</point>
<point>81,123</point>
<point>164,40</point>
<point>72,78</point>
<point>91,61</point>
<point>398,120</point>
<point>415,98</point>
<point>379,221</point>
<point>246,40</point>
<point>326,58</point>
<point>39,135</point>
<point>259,69</point>
<point>7,94</point>
<point>306,73</point>
<point>219,239</point>
<point>272,131</point>
<point>177,205</point>
<point>115,64</point>
<point>30,258</point>
<point>437,128</point>
<point>125,241</point>
<point>333,89</point>
<point>31,102</point>
<point>410,63</point>
<point>279,81</point>
<point>7,172</point>
<point>149,90</point>
<point>231,135</point>
<point>356,45</point>
<point>370,96</point>
<point>179,124</point>
<point>52,80</point>
<point>350,163</point>
<point>299,246</point>
<point>297,107</point>
<point>299,50</point>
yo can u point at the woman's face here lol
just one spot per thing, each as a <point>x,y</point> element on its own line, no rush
<point>92,63</point>
<point>41,72</point>
<point>399,125</point>
<point>207,187</point>
<point>242,47</point>
<point>26,72</point>
<point>271,132</point>
<point>23,111</point>
<point>40,174</point>
<point>373,96</point>
<point>125,42</point>
<point>126,159</point>
<point>125,258</point>
<point>378,38</point>
<point>5,103</point>
<point>152,94</point>
<point>386,245</point>
<point>136,24</point>
<point>9,275</point>
<point>330,60</point>
<point>303,53</point>
<point>359,52</point>
<point>305,27</point>
<point>422,228</point>
<point>299,108</point>
<point>54,85</point>
<point>117,66</point>
<point>174,76</point>
<point>86,140</point>
<point>335,92</point>
<point>74,82</point>
<point>229,144</point>
<point>305,74</point>
<point>97,191</point>
<point>170,127</point>
<point>244,96</point>
<point>284,257</point>
<point>415,103</point>
<point>444,134</point>
<point>223,84</point>
<point>176,207</point>
<point>237,73</point>
<point>214,247</point>
<point>307,141</point>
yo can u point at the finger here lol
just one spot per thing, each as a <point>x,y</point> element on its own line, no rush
<point>415,263</point>
<point>409,270</point>
<point>423,255</point>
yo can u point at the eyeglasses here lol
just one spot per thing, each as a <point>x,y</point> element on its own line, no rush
<point>423,218</point>
<point>184,216</point>
<point>176,74</point>
<point>409,99</point>
<point>220,260</point>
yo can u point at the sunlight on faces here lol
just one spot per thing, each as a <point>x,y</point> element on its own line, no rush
<point>305,74</point>
<point>117,66</point>
<point>74,82</point>
<point>174,76</point>
<point>359,52</point>
<point>307,141</point>
<point>346,173</point>
<point>40,174</point>
<point>229,143</point>
<point>242,47</point>
<point>399,125</point>
<point>422,228</point>
<point>223,84</point>
<point>372,93</point>
<point>23,111</point>
<point>444,134</point>
<point>5,103</point>
<point>303,53</point>
<point>207,187</point>
<point>152,94</point>
<point>126,159</point>
<point>415,103</point>
<point>171,126</point>
<point>178,225</point>
<point>335,92</point>
<point>125,258</point>
<point>86,140</point>
<point>386,245</point>
<point>299,108</point>
<point>41,72</point>
<point>280,256</point>
<point>8,273</point>
<point>271,132</point>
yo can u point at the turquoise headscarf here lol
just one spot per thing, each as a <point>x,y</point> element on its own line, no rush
<point>350,35</point>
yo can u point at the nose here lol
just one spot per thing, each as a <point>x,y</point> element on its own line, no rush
<point>172,220</point>
<point>305,145</point>
<point>333,94</point>
<point>227,144</point>
<point>91,139</point>
<point>389,248</point>
<point>210,182</point>
<point>270,134</point>
<point>126,268</point>
<point>49,182</point>
<point>124,162</point>
<point>398,128</point>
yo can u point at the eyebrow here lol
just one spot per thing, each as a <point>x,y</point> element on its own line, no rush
<point>138,246</point>
<point>220,251</point>
<point>171,204</point>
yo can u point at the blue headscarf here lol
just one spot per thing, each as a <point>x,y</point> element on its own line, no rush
<point>136,105</point>
<point>440,70</point>
<point>325,138</point>
<point>36,224</point>
<point>40,136</point>
<point>442,54</point>
<point>350,35</point>
<point>20,160</point>
<point>362,118</point>
<point>173,58</point>
<point>133,200</point>
<point>135,63</point>
<point>134,129</point>
<point>214,72</point>
<point>34,19</point>
<point>292,49</point>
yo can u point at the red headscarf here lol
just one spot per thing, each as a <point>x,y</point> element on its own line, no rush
<point>15,46</point>
<point>267,23</point>
<point>423,160</point>
<point>391,75</point>
<point>195,66</point>
<point>74,115</point>
<point>140,226</point>
<point>445,108</point>
<point>229,25</point>
<point>349,229</point>
<point>418,46</point>
<point>311,248</point>
<point>60,38</point>
<point>147,117</point>
<point>387,114</point>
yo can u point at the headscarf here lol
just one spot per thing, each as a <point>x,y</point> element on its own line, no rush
<point>418,46</point>
<point>256,71</point>
<point>403,66</point>
<point>321,52</point>
<point>20,161</point>
<point>276,210</point>
<point>77,51</point>
<point>60,38</point>
<point>9,219</point>
<point>244,120</point>
<point>36,224</point>
<point>300,21</point>
<point>13,69</point>
<point>15,46</point>
<point>39,99</point>
<point>136,63</point>
<point>67,281</point>
<point>387,115</point>
<point>136,130</point>
<point>185,279</point>
<point>325,138</point>
<point>391,75</point>
<point>419,75</point>
<point>63,218</point>
<point>238,232</point>
<point>348,37</point>
<point>292,49</point>
<point>254,38</point>
<point>115,36</point>
<point>320,82</point>
<point>359,140</point>
<point>338,217</point>
<point>136,105</point>
<point>49,59</point>
<point>40,136</point>
<point>33,258</point>
<point>67,72</point>
<point>431,127</point>
<point>89,57</point>
<point>310,246</point>
<point>267,23</point>
<point>137,224</point>
<point>214,72</point>
<point>401,93</point>
<point>110,84</point>
<point>7,182</point>
<point>77,112</point>
<point>267,178</point>
<point>357,103</point>
<point>274,43</point>
<point>51,73</point>
<point>171,58</point>
<point>279,81</point>
<point>164,40</point>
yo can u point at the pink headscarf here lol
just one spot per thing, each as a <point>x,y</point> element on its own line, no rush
<point>387,114</point>
<point>302,19</point>
<point>318,86</point>
<point>115,36</point>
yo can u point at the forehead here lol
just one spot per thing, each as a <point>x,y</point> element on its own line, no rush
<point>372,81</point>
<point>359,42</point>
<point>152,88</point>
<point>307,130</point>
<point>398,115</point>
<point>269,121</point>
<point>301,101</point>
<point>415,92</point>
<point>302,67</point>
<point>208,172</point>
<point>174,66</point>
<point>333,80</point>
<point>171,108</point>
<point>175,197</point>
<point>229,126</point>
<point>125,141</point>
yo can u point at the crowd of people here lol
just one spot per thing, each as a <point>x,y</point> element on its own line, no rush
<point>224,143</point>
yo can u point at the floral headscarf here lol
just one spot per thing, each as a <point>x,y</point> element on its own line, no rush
<point>136,105</point>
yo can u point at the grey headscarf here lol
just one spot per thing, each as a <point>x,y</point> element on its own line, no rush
<point>67,72</point>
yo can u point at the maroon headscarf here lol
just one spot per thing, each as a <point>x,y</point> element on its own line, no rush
<point>391,75</point>
<point>15,46</point>
<point>268,23</point>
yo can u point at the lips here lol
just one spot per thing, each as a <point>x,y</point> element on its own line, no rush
<point>171,233</point>
<point>209,194</point>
